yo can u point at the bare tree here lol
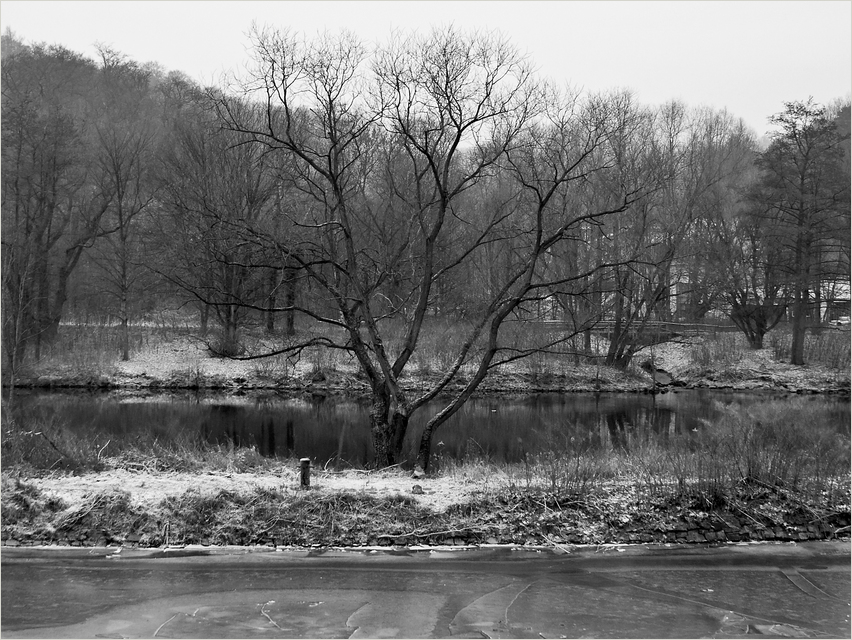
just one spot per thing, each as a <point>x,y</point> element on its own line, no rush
<point>386,157</point>
<point>554,162</point>
<point>54,195</point>
<point>213,188</point>
<point>124,133</point>
<point>804,185</point>
<point>691,157</point>
<point>756,285</point>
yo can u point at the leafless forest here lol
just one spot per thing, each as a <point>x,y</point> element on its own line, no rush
<point>352,195</point>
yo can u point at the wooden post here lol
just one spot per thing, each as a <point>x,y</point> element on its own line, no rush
<point>305,467</point>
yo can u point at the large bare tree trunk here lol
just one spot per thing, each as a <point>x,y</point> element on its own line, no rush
<point>800,301</point>
<point>797,350</point>
<point>387,429</point>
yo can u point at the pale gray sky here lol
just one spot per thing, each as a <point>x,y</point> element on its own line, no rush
<point>748,57</point>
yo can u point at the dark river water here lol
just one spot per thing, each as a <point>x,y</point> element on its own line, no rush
<point>336,428</point>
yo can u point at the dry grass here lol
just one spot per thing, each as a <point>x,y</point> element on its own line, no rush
<point>776,454</point>
<point>723,350</point>
<point>773,465</point>
<point>250,514</point>
<point>788,443</point>
<point>88,355</point>
<point>829,348</point>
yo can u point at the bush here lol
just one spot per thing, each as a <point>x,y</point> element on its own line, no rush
<point>828,347</point>
<point>779,445</point>
<point>226,344</point>
<point>438,347</point>
<point>773,444</point>
<point>575,467</point>
<point>45,442</point>
<point>276,368</point>
<point>722,350</point>
<point>784,444</point>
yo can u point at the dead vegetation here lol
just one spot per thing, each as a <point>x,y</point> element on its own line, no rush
<point>173,358</point>
<point>770,474</point>
<point>615,511</point>
<point>776,473</point>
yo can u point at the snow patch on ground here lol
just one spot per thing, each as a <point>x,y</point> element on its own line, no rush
<point>722,360</point>
<point>148,488</point>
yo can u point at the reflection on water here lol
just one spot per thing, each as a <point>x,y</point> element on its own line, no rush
<point>337,428</point>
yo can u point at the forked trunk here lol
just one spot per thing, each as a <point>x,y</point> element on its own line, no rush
<point>755,341</point>
<point>388,432</point>
<point>382,443</point>
<point>425,450</point>
<point>399,424</point>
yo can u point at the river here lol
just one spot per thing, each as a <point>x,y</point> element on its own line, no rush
<point>776,591</point>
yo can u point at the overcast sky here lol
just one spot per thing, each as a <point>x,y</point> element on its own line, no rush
<point>748,57</point>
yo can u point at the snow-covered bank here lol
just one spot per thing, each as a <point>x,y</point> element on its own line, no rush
<point>186,363</point>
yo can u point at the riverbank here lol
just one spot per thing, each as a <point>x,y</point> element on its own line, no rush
<point>474,505</point>
<point>722,487</point>
<point>711,362</point>
<point>778,470</point>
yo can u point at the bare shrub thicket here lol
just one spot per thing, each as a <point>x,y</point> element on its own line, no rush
<point>723,349</point>
<point>786,445</point>
<point>778,444</point>
<point>829,348</point>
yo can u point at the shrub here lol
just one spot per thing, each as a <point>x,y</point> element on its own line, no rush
<point>574,468</point>
<point>276,368</point>
<point>776,444</point>
<point>828,347</point>
<point>45,442</point>
<point>722,350</point>
<point>438,347</point>
<point>192,376</point>
<point>226,344</point>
